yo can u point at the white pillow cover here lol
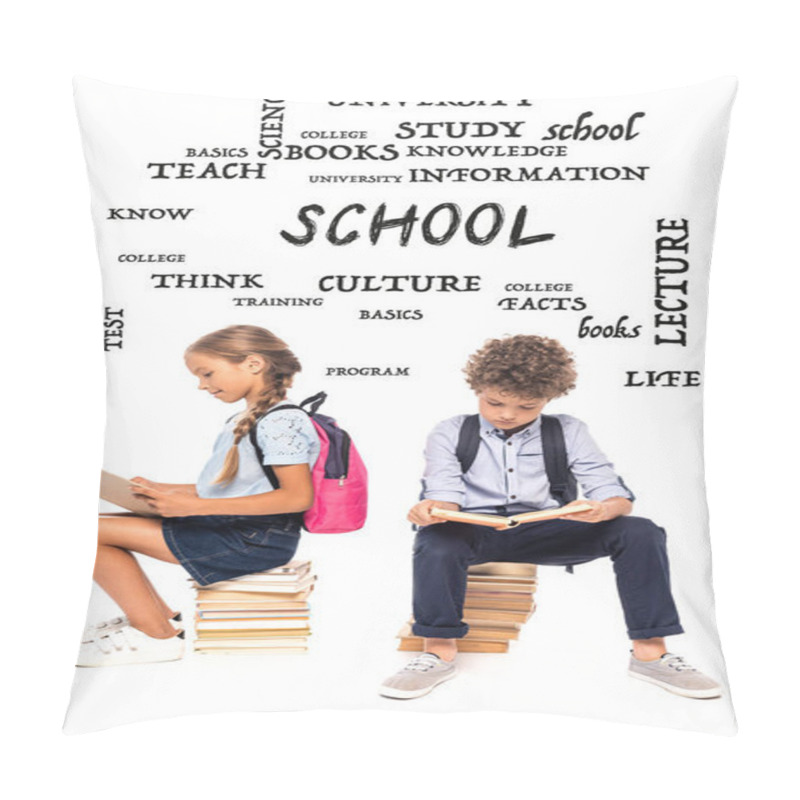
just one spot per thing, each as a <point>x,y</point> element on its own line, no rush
<point>385,242</point>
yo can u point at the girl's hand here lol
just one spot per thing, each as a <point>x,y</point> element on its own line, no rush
<point>169,502</point>
<point>138,483</point>
<point>420,514</point>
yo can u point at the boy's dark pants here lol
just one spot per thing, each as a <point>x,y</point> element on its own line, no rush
<point>636,546</point>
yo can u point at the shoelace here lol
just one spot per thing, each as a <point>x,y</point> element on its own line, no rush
<point>422,663</point>
<point>678,664</point>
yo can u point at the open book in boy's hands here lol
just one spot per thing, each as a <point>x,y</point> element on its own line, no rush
<point>504,523</point>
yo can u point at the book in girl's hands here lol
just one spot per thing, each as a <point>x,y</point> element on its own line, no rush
<point>503,523</point>
<point>117,490</point>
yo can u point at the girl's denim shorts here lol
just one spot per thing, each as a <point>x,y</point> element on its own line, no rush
<point>217,548</point>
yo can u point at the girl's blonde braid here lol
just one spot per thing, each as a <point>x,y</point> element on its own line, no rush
<point>272,395</point>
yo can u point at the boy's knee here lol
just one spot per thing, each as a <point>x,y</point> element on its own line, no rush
<point>641,528</point>
<point>436,542</point>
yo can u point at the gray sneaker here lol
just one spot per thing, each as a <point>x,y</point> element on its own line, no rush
<point>672,673</point>
<point>421,675</point>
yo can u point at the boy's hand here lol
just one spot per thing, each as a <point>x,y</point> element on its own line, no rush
<point>420,514</point>
<point>601,511</point>
<point>598,512</point>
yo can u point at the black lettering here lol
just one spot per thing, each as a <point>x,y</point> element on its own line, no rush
<point>455,221</point>
<point>406,222</point>
<point>310,225</point>
<point>497,224</point>
<point>332,236</point>
<point>517,240</point>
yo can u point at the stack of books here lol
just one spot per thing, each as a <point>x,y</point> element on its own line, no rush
<point>266,612</point>
<point>499,601</point>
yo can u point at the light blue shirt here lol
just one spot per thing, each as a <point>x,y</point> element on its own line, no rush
<point>285,437</point>
<point>510,471</point>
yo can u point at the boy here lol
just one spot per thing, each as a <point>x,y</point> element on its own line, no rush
<point>514,378</point>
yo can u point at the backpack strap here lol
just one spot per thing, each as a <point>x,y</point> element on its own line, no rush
<point>563,485</point>
<point>315,401</point>
<point>469,440</point>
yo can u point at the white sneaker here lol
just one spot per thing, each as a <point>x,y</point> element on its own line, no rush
<point>103,628</point>
<point>127,645</point>
<point>111,625</point>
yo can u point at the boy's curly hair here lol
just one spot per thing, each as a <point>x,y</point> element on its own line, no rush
<point>526,366</point>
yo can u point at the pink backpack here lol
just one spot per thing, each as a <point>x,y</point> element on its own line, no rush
<point>339,476</point>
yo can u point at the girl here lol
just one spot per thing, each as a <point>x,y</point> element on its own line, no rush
<point>231,522</point>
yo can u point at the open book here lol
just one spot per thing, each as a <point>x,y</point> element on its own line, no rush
<point>494,521</point>
<point>116,490</point>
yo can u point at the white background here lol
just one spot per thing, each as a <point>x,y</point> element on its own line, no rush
<point>54,387</point>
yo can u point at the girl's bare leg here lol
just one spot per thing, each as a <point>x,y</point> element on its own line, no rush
<point>118,572</point>
<point>165,609</point>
